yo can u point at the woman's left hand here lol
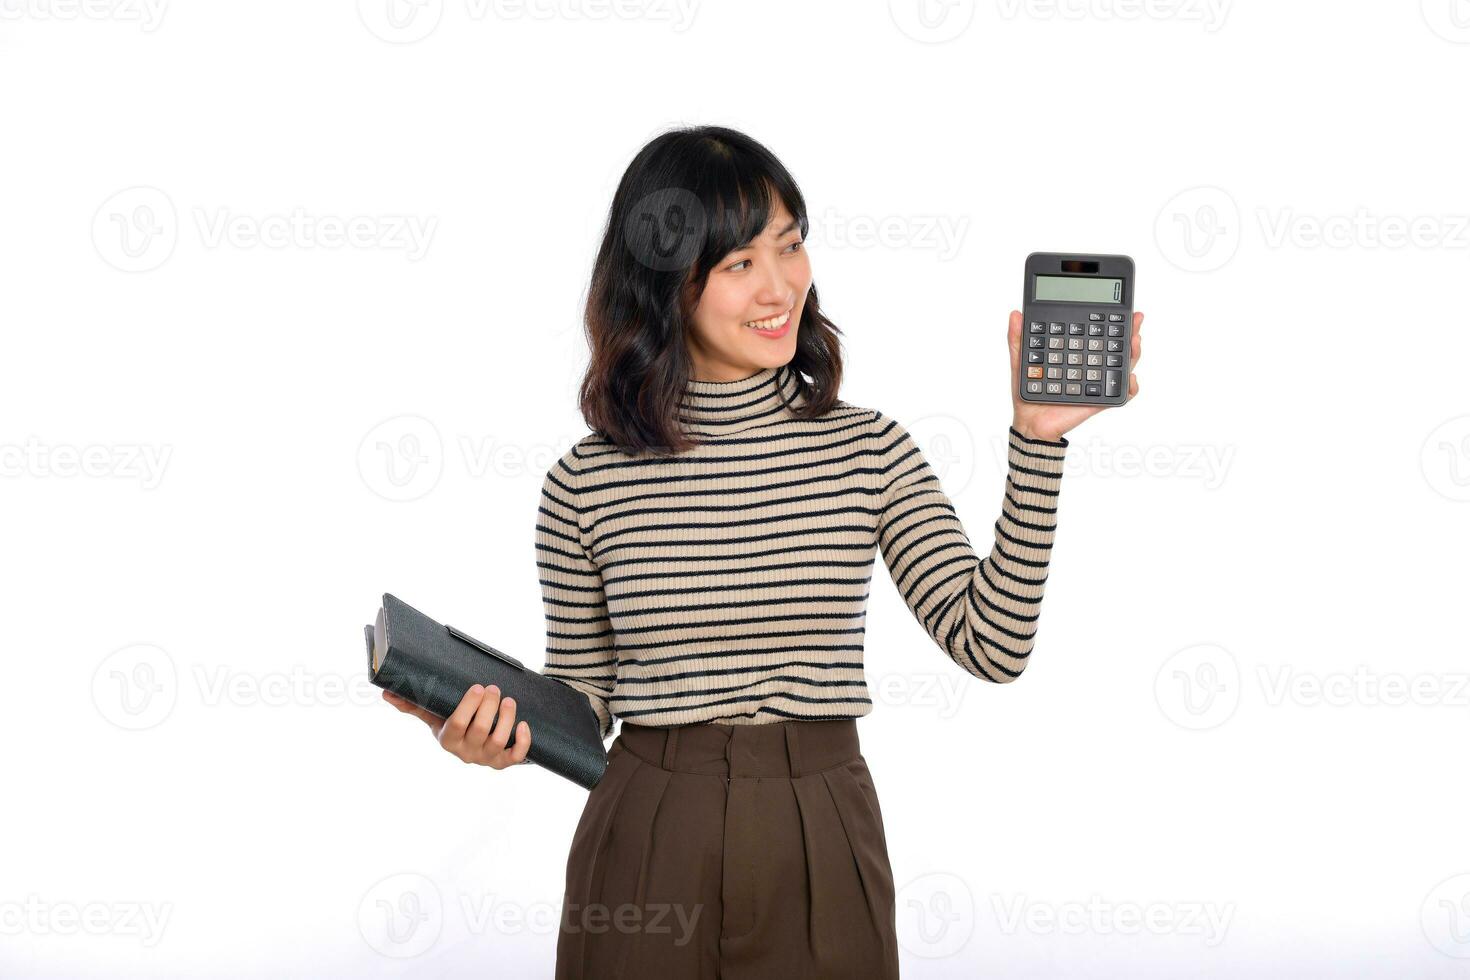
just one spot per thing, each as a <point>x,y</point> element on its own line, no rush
<point>1039,420</point>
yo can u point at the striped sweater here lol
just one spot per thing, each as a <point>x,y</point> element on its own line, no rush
<point>730,583</point>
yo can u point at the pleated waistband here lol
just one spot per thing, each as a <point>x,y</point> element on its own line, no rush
<point>786,748</point>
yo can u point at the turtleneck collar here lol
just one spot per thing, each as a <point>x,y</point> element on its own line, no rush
<point>717,408</point>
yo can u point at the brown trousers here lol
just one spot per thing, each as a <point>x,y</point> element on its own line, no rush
<point>731,852</point>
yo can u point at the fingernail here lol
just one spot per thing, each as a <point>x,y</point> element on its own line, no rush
<point>476,689</point>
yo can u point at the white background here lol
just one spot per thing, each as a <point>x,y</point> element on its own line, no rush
<point>199,512</point>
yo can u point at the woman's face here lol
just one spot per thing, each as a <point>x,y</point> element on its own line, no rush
<point>768,280</point>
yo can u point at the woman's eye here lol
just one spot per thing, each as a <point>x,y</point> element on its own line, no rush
<point>737,265</point>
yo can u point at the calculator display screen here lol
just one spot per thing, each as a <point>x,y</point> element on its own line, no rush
<point>1079,289</point>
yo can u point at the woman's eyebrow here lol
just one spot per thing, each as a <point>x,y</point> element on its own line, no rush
<point>784,231</point>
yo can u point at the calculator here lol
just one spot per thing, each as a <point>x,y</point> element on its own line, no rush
<point>1077,328</point>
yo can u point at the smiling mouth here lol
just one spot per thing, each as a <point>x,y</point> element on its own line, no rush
<point>771,324</point>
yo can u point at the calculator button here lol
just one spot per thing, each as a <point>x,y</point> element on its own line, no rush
<point>1094,389</point>
<point>1038,327</point>
<point>1034,357</point>
<point>1053,372</point>
<point>1093,374</point>
<point>1115,318</point>
<point>1054,358</point>
<point>1074,343</point>
<point>1034,372</point>
<point>1093,360</point>
<point>1074,389</point>
<point>1115,345</point>
<point>1094,317</point>
<point>1115,330</point>
<point>1115,360</point>
<point>1036,341</point>
<point>1074,358</point>
<point>1094,344</point>
<point>1094,329</point>
<point>1055,327</point>
<point>1034,387</point>
<point>1054,343</point>
<point>1074,328</point>
<point>1074,374</point>
<point>1112,382</point>
<point>1053,387</point>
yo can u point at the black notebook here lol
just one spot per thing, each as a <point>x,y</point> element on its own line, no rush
<point>433,665</point>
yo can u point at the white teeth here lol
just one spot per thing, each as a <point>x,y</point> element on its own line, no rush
<point>773,324</point>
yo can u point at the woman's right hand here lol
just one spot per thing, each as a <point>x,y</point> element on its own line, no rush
<point>467,733</point>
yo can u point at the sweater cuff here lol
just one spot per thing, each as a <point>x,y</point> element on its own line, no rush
<point>1062,442</point>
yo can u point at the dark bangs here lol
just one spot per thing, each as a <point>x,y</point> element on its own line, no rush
<point>689,198</point>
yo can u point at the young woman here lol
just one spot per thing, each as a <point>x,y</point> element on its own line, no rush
<point>706,554</point>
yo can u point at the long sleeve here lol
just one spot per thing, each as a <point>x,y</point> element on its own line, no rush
<point>982,612</point>
<point>580,646</point>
